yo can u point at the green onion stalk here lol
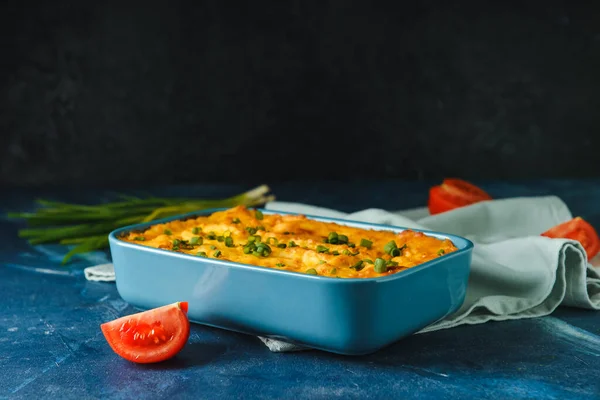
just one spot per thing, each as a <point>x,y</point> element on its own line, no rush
<point>87,226</point>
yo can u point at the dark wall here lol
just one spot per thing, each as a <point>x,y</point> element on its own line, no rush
<point>124,92</point>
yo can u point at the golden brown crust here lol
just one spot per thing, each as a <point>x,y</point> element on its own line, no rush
<point>305,240</point>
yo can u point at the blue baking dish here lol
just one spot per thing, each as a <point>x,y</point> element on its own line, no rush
<point>345,316</point>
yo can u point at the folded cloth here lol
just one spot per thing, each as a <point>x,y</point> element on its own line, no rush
<point>100,273</point>
<point>515,272</point>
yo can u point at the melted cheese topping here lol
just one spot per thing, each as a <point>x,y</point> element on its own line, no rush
<point>294,242</point>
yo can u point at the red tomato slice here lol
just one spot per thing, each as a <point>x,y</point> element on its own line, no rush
<point>150,336</point>
<point>580,230</point>
<point>454,193</point>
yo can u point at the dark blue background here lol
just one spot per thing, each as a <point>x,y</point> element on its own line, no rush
<point>118,92</point>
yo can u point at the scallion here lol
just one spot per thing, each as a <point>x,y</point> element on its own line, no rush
<point>357,266</point>
<point>332,238</point>
<point>366,243</point>
<point>322,249</point>
<point>380,266</point>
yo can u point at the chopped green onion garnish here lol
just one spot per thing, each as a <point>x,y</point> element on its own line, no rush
<point>292,243</point>
<point>261,228</point>
<point>263,249</point>
<point>213,247</point>
<point>441,251</point>
<point>380,266</point>
<point>333,271</point>
<point>248,249</point>
<point>221,238</point>
<point>195,230</point>
<point>176,242</point>
<point>217,253</point>
<point>389,246</point>
<point>335,253</point>
<point>346,252</point>
<point>312,271</point>
<point>167,232</point>
<point>332,238</point>
<point>139,238</point>
<point>391,263</point>
<point>286,233</point>
<point>354,254</point>
<point>211,236</point>
<point>322,249</point>
<point>271,238</point>
<point>280,264</point>
<point>250,230</point>
<point>196,240</point>
<point>282,245</point>
<point>368,261</point>
<point>366,243</point>
<point>229,241</point>
<point>235,221</point>
<point>258,215</point>
<point>351,245</point>
<point>252,239</point>
<point>358,266</point>
<point>201,254</point>
<point>342,239</point>
<point>322,261</point>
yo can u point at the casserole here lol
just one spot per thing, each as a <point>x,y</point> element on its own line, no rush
<point>350,316</point>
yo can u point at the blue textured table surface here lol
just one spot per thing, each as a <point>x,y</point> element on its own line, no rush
<point>51,344</point>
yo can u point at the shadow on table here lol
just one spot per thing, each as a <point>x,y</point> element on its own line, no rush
<point>192,355</point>
<point>511,347</point>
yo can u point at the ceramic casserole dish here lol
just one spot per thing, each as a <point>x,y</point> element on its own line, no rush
<point>351,316</point>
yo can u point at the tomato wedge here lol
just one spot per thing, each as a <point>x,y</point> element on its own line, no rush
<point>580,230</point>
<point>454,193</point>
<point>150,336</point>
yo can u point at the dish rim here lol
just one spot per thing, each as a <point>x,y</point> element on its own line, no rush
<point>113,238</point>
